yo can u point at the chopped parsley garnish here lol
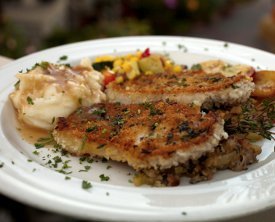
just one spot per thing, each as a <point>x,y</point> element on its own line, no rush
<point>196,67</point>
<point>44,64</point>
<point>1,165</point>
<point>153,110</point>
<point>29,100</point>
<point>35,152</point>
<point>180,46</point>
<point>118,121</point>
<point>29,160</point>
<point>63,58</point>
<point>225,45</point>
<point>104,178</point>
<point>99,112</point>
<point>91,129</point>
<point>86,169</point>
<point>38,145</point>
<point>108,167</point>
<point>67,178</point>
<point>43,141</point>
<point>183,213</point>
<point>86,185</point>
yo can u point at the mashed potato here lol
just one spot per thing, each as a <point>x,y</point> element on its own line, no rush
<point>49,91</point>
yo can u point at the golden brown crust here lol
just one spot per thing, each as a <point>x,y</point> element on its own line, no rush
<point>175,83</point>
<point>140,130</point>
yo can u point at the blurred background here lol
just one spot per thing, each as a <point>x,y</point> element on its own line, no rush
<point>27,26</point>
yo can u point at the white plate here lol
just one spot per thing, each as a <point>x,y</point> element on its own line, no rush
<point>228,195</point>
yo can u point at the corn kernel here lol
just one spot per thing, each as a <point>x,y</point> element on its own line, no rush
<point>118,70</point>
<point>134,59</point>
<point>104,58</point>
<point>119,79</point>
<point>148,73</point>
<point>139,53</point>
<point>127,66</point>
<point>177,68</point>
<point>118,62</point>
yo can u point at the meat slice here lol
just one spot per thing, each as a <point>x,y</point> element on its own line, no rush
<point>149,135</point>
<point>212,84</point>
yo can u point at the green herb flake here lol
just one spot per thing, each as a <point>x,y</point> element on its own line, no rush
<point>63,58</point>
<point>29,160</point>
<point>108,167</point>
<point>118,121</point>
<point>86,169</point>
<point>86,185</point>
<point>35,152</point>
<point>183,213</point>
<point>67,178</point>
<point>2,165</point>
<point>44,65</point>
<point>91,129</point>
<point>225,45</point>
<point>99,112</point>
<point>38,145</point>
<point>29,100</point>
<point>104,178</point>
<point>107,194</point>
<point>181,46</point>
<point>196,67</point>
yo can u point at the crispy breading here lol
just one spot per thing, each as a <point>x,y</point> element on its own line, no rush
<point>201,87</point>
<point>149,135</point>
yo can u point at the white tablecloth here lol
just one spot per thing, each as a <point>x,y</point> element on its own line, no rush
<point>263,216</point>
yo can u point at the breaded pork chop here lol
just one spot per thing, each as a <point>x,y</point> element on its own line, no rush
<point>149,135</point>
<point>209,86</point>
